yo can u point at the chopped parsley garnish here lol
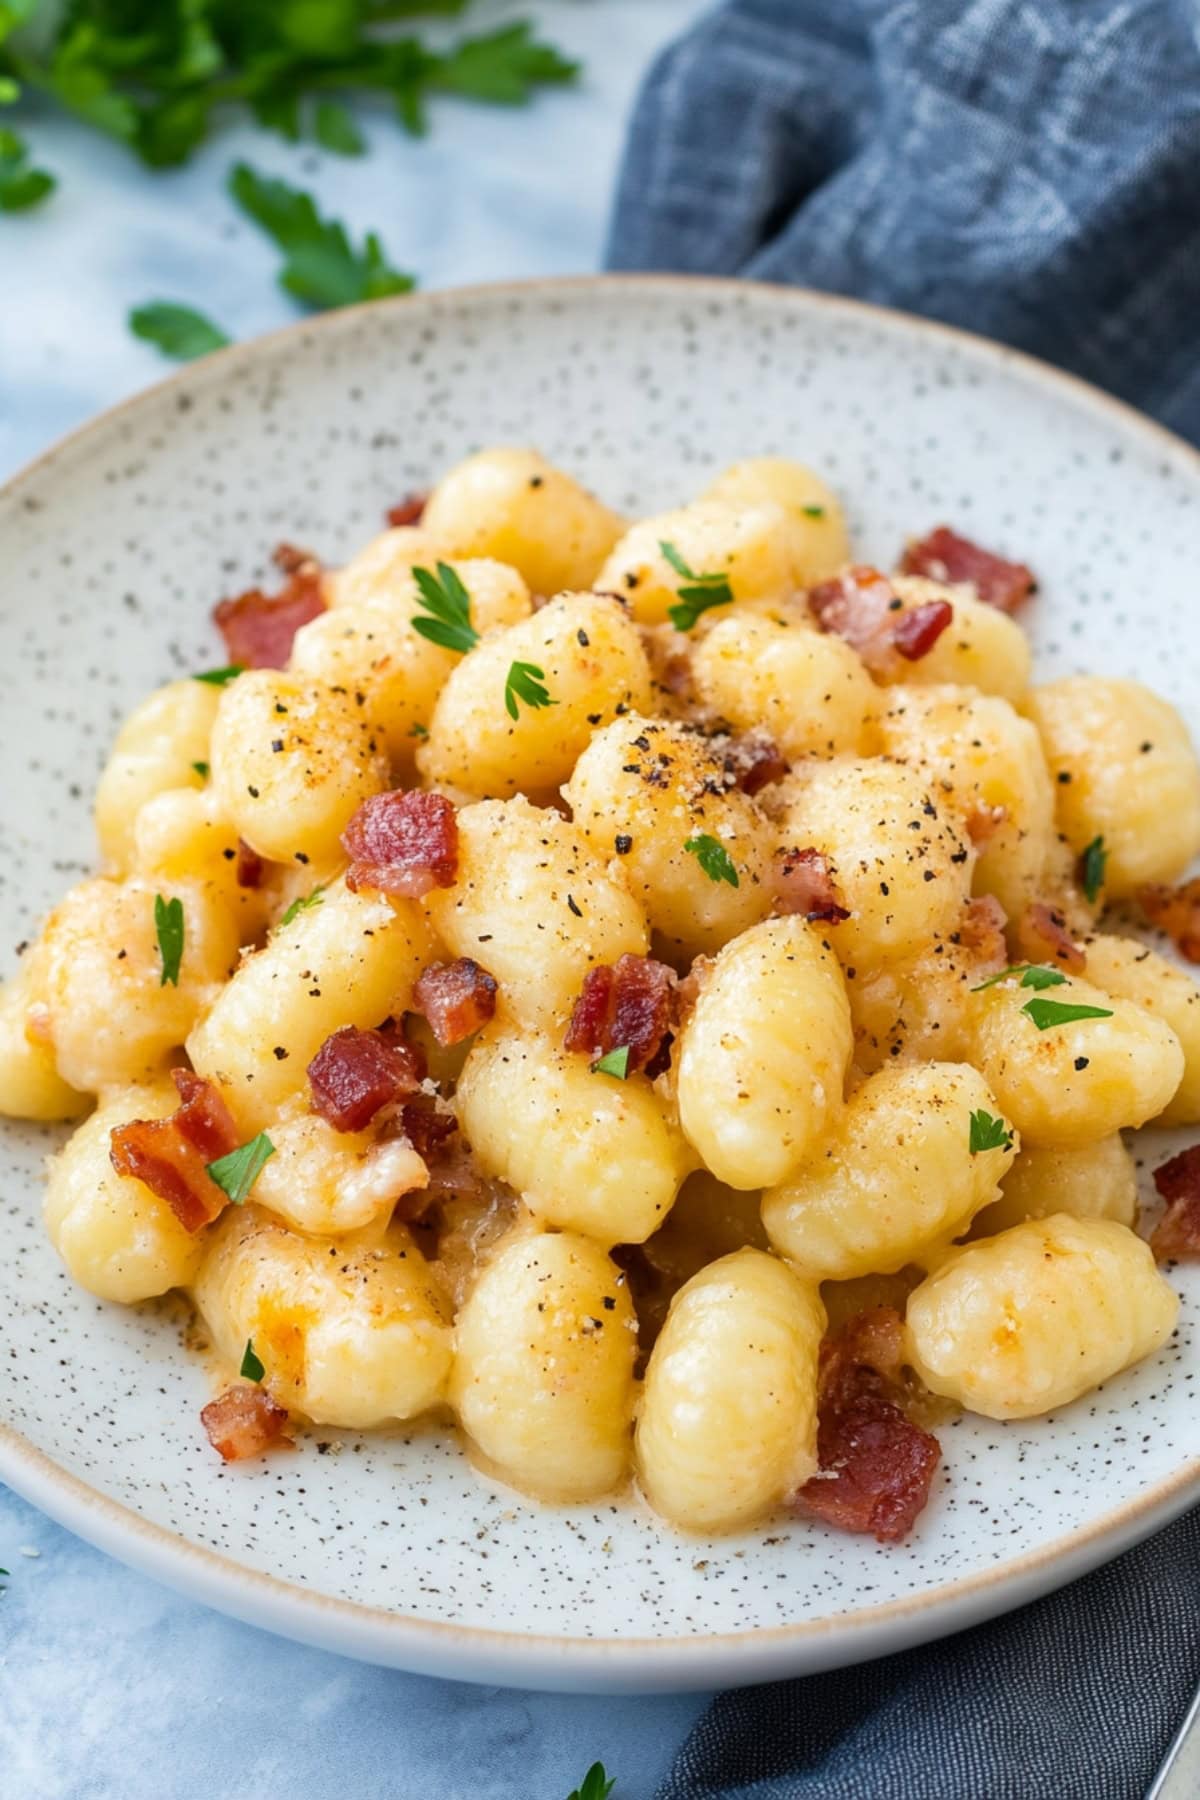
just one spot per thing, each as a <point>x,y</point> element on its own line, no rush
<point>418,731</point>
<point>322,267</point>
<point>1046,1013</point>
<point>701,594</point>
<point>334,129</point>
<point>813,512</point>
<point>201,769</point>
<point>596,1785</point>
<point>221,677</point>
<point>168,926</point>
<point>1033,975</point>
<point>713,858</point>
<point>178,331</point>
<point>988,1133</point>
<point>444,596</point>
<point>1091,868</point>
<point>251,1369</point>
<point>616,1062</point>
<point>302,904</point>
<point>525,681</point>
<point>237,1173</point>
<point>21,185</point>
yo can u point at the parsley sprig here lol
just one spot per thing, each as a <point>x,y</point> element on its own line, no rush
<point>988,1133</point>
<point>21,184</point>
<point>322,267</point>
<point>237,1173</point>
<point>1092,865</point>
<point>178,331</point>
<point>616,1062</point>
<point>1033,975</point>
<point>525,681</point>
<point>252,1368</point>
<point>444,596</point>
<point>221,677</point>
<point>302,902</point>
<point>713,858</point>
<point>1048,1013</point>
<point>169,929</point>
<point>701,594</point>
<point>596,1785</point>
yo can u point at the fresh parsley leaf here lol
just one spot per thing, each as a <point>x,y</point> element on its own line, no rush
<point>178,331</point>
<point>418,730</point>
<point>201,769</point>
<point>988,1133</point>
<point>702,593</point>
<point>251,1369</point>
<point>237,1173</point>
<point>221,677</point>
<point>1092,865</point>
<point>168,925</point>
<point>713,858</point>
<point>503,66</point>
<point>616,1062</point>
<point>20,185</point>
<point>525,681</point>
<point>813,512</point>
<point>302,904</point>
<point>1033,975</point>
<point>322,268</point>
<point>449,602</point>
<point>596,1785</point>
<point>334,129</point>
<point>1046,1013</point>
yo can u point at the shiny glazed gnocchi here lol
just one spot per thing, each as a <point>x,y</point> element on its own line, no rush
<point>645,994</point>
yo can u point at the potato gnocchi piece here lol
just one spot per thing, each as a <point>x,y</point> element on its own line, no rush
<point>981,647</point>
<point>349,1333</point>
<point>762,1059</point>
<point>1075,1082</point>
<point>292,761</point>
<point>182,834</point>
<point>1026,1322</point>
<point>642,790</point>
<point>516,507</point>
<point>117,1239</point>
<point>352,960</point>
<point>728,1424</point>
<point>901,862</point>
<point>896,1174</point>
<point>371,646</point>
<point>917,1011</point>
<point>821,543</point>
<point>586,1152</point>
<point>157,747</point>
<point>1132,971</point>
<point>1124,770</point>
<point>757,548</point>
<point>381,572</point>
<point>543,1371</point>
<point>1095,1181</point>
<point>30,1084</point>
<point>326,1182</point>
<point>535,907</point>
<point>974,750</point>
<point>808,690</point>
<point>590,664</point>
<point>112,1019</point>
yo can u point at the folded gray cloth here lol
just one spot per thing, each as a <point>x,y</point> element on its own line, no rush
<point>1028,169</point>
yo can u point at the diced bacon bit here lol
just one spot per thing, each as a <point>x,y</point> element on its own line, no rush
<point>258,628</point>
<point>944,556</point>
<point>290,559</point>
<point>249,867</point>
<point>355,1073</point>
<point>409,511</point>
<point>1177,1234</point>
<point>243,1422</point>
<point>982,931</point>
<point>918,630</point>
<point>1175,910</point>
<point>876,1465</point>
<point>756,761</point>
<point>983,824</point>
<point>427,1129</point>
<point>675,675</point>
<point>629,1003</point>
<point>405,842</point>
<point>171,1156</point>
<point>1041,928</point>
<point>803,884</point>
<point>456,998</point>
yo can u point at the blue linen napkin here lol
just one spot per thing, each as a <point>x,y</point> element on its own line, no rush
<point>1028,169</point>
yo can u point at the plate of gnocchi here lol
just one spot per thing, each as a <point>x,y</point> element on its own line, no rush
<point>600,1060</point>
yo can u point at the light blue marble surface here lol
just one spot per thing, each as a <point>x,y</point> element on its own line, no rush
<point>111,1688</point>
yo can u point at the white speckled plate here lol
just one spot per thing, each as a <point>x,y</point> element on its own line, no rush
<point>114,547</point>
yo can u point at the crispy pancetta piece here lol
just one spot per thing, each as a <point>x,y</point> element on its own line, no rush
<point>356,1073</point>
<point>258,628</point>
<point>944,556</point>
<point>171,1156</point>
<point>405,842</point>
<point>804,884</point>
<point>1175,910</point>
<point>243,1422</point>
<point>456,998</point>
<point>625,1005</point>
<point>1176,1237</point>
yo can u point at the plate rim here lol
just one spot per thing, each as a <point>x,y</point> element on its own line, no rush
<point>580,1663</point>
